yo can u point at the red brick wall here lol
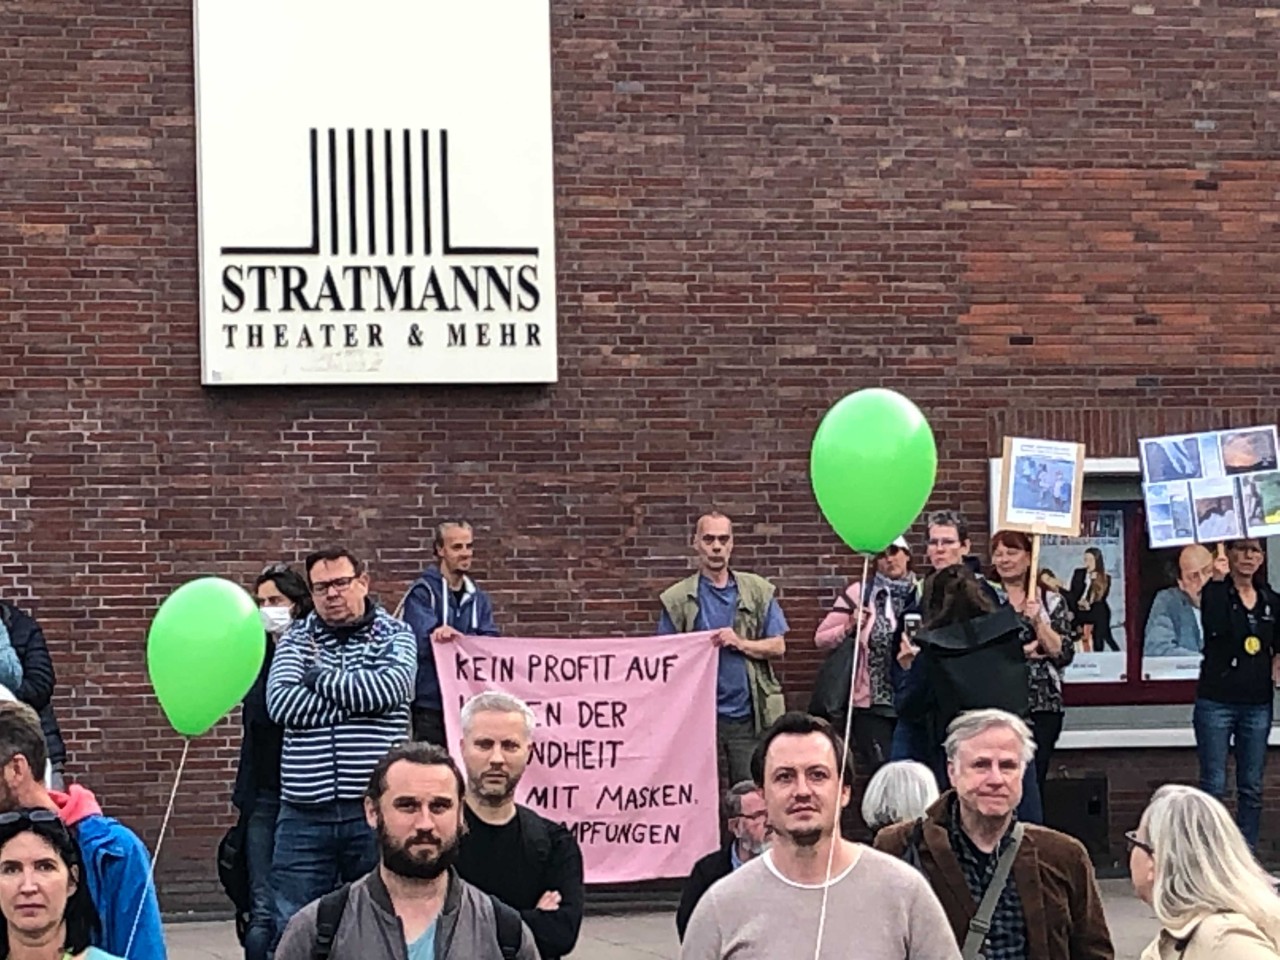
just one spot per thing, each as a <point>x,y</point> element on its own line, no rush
<point>1047,218</point>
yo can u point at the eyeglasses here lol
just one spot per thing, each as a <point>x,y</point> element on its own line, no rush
<point>944,542</point>
<point>340,584</point>
<point>1134,841</point>
<point>30,816</point>
<point>758,815</point>
<point>274,569</point>
<point>893,550</point>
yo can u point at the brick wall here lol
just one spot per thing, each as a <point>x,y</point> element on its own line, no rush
<point>1055,219</point>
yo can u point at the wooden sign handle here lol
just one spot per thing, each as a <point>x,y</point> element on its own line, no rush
<point>1033,586</point>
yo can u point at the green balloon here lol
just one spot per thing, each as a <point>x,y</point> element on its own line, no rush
<point>204,650</point>
<point>872,465</point>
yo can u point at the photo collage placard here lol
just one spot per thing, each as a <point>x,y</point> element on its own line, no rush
<point>1211,487</point>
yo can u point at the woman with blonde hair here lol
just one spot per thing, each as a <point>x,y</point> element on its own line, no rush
<point>1214,901</point>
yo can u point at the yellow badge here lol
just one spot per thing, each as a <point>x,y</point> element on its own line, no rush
<point>1252,645</point>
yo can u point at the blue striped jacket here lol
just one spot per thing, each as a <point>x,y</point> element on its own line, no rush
<point>342,695</point>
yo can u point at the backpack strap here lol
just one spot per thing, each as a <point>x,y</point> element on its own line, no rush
<point>509,927</point>
<point>328,919</point>
<point>980,925</point>
<point>534,835</point>
<point>915,841</point>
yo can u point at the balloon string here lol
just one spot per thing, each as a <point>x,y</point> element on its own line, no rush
<point>836,836</point>
<point>164,826</point>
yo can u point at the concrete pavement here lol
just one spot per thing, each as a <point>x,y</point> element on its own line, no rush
<point>645,936</point>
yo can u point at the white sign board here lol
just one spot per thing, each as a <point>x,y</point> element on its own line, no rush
<point>375,192</point>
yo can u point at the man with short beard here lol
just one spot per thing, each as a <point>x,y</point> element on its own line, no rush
<point>525,860</point>
<point>876,907</point>
<point>413,903</point>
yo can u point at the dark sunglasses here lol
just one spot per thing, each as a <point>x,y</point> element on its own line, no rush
<point>1134,842</point>
<point>274,569</point>
<point>28,816</point>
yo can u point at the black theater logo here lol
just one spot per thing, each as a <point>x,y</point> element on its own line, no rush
<point>372,249</point>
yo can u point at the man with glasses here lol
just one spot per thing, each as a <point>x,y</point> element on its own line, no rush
<point>340,685</point>
<point>1173,626</point>
<point>949,544</point>
<point>948,539</point>
<point>749,628</point>
<point>744,807</point>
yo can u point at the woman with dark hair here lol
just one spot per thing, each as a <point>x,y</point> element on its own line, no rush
<point>970,657</point>
<point>283,598</point>
<point>1090,587</point>
<point>1234,696</point>
<point>45,910</point>
<point>1047,639</point>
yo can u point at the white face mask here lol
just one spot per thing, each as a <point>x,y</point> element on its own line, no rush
<point>276,619</point>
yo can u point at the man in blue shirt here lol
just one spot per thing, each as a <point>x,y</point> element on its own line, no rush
<point>1173,628</point>
<point>749,628</point>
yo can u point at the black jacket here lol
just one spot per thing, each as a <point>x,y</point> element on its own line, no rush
<point>706,871</point>
<point>1237,658</point>
<point>548,858</point>
<point>38,678</point>
<point>261,744</point>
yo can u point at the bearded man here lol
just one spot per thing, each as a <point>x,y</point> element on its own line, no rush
<point>413,903</point>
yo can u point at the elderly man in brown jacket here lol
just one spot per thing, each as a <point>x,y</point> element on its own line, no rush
<point>1049,907</point>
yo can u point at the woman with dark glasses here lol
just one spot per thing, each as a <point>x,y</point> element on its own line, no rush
<point>45,910</point>
<point>283,598</point>
<point>1190,862</point>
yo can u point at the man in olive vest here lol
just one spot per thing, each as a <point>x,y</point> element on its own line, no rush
<point>749,628</point>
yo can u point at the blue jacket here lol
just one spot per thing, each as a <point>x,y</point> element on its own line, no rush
<point>1173,628</point>
<point>423,605</point>
<point>118,874</point>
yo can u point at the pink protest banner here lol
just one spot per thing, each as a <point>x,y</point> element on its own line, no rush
<point>625,749</point>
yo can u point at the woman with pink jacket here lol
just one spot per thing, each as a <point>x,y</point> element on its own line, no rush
<point>891,594</point>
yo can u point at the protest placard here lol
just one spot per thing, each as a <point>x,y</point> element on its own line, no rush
<point>1041,482</point>
<point>624,753</point>
<point>1211,487</point>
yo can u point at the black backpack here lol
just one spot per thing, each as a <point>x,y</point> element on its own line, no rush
<point>233,873</point>
<point>331,906</point>
<point>978,664</point>
<point>830,699</point>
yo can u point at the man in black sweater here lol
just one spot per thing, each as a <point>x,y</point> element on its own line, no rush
<point>744,808</point>
<point>529,862</point>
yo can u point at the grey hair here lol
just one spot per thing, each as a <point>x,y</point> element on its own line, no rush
<point>1202,863</point>
<point>495,701</point>
<point>949,518</point>
<point>733,797</point>
<point>976,722</point>
<point>444,525</point>
<point>901,790</point>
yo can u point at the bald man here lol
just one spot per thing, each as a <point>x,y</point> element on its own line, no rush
<point>1173,629</point>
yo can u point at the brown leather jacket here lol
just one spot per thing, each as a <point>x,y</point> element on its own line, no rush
<point>1060,899</point>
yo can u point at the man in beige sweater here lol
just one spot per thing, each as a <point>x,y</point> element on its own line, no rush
<point>876,906</point>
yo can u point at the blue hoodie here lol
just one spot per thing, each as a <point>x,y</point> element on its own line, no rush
<point>472,616</point>
<point>117,871</point>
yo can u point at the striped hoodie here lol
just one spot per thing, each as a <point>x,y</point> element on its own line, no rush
<point>342,695</point>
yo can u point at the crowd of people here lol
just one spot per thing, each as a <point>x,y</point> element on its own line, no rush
<point>356,827</point>
<point>957,874</point>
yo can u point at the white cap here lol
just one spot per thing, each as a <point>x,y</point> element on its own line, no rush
<point>901,544</point>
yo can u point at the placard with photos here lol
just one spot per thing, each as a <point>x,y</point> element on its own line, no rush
<point>1211,487</point>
